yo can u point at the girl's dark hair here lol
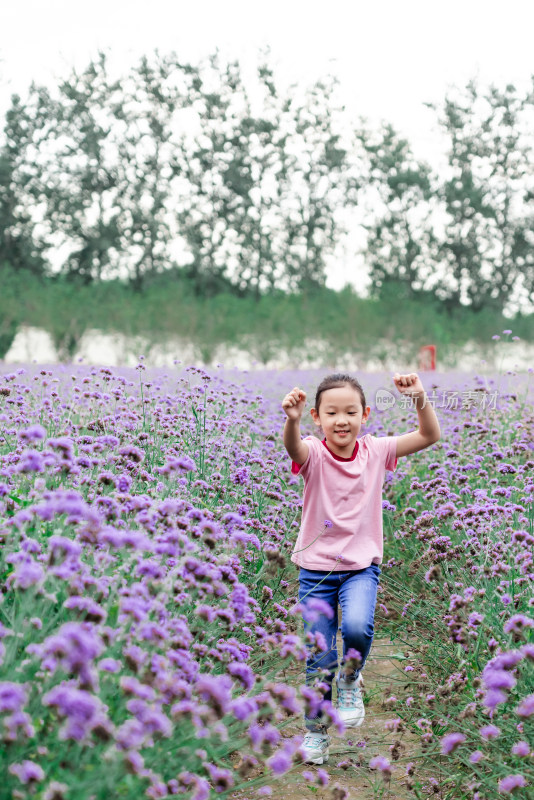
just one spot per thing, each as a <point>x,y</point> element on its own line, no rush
<point>336,381</point>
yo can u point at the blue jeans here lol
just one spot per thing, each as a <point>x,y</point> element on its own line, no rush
<point>355,591</point>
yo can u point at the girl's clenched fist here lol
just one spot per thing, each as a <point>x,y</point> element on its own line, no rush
<point>294,402</point>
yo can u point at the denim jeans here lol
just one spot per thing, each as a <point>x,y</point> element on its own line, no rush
<point>355,591</point>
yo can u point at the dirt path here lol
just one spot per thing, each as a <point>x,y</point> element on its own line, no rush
<point>381,674</point>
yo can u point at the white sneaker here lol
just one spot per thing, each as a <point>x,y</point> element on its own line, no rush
<point>314,748</point>
<point>350,702</point>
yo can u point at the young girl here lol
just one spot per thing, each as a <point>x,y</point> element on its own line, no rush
<point>340,546</point>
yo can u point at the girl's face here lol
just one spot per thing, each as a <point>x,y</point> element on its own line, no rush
<point>340,416</point>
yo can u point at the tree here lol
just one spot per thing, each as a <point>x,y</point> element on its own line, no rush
<point>401,242</point>
<point>323,183</point>
<point>82,181</point>
<point>209,198</point>
<point>173,164</point>
<point>257,178</point>
<point>487,252</point>
<point>157,91</point>
<point>265,183</point>
<point>18,248</point>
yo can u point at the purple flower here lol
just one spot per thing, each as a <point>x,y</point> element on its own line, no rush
<point>498,679</point>
<point>31,461</point>
<point>132,453</point>
<point>280,762</point>
<point>506,599</point>
<point>322,777</point>
<point>493,698</point>
<point>74,646</point>
<point>331,716</point>
<point>476,756</point>
<point>313,608</point>
<point>328,523</point>
<point>240,601</point>
<point>32,434</point>
<point>243,672</point>
<point>27,772</point>
<point>130,735</point>
<point>123,482</point>
<point>521,748</point>
<point>263,733</point>
<point>241,476</point>
<point>134,762</point>
<point>526,707</point>
<point>475,619</point>
<point>13,696</point>
<point>61,546</point>
<point>109,665</point>
<point>312,700</point>
<point>64,445</point>
<point>201,786</point>
<point>221,778</point>
<point>451,742</point>
<point>130,685</point>
<point>489,732</point>
<point>16,722</point>
<point>507,660</point>
<point>381,763</point>
<point>153,720</point>
<point>55,791</point>
<point>511,782</point>
<point>82,710</point>
<point>92,612</point>
<point>243,707</point>
<point>180,465</point>
<point>216,691</point>
<point>27,573</point>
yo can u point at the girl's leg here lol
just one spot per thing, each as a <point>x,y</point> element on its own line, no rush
<point>315,585</point>
<point>357,597</point>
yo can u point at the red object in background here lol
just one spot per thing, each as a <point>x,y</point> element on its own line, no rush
<point>427,357</point>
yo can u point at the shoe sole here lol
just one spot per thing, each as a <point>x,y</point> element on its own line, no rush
<point>350,723</point>
<point>317,760</point>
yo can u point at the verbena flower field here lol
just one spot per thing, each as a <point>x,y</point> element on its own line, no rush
<point>148,603</point>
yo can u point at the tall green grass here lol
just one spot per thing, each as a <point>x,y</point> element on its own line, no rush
<point>334,322</point>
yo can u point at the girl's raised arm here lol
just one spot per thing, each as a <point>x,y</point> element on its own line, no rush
<point>293,404</point>
<point>429,431</point>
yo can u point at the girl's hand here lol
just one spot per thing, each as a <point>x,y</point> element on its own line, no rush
<point>294,402</point>
<point>409,384</point>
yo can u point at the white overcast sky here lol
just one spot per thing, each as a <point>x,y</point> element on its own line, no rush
<point>391,56</point>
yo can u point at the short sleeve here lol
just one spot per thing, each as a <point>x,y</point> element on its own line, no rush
<point>313,453</point>
<point>387,448</point>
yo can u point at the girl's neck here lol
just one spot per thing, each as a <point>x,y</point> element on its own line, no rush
<point>342,458</point>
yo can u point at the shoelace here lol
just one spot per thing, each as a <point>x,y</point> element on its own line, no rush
<point>313,740</point>
<point>349,698</point>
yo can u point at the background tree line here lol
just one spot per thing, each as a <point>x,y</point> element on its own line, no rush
<point>181,170</point>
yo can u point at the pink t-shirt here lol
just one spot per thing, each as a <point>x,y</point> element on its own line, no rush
<point>348,494</point>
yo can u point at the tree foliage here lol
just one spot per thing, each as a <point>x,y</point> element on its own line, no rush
<point>401,242</point>
<point>171,165</point>
<point>487,251</point>
<point>246,187</point>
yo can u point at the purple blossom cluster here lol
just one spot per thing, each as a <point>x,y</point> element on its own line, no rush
<point>146,522</point>
<point>461,562</point>
<point>146,581</point>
